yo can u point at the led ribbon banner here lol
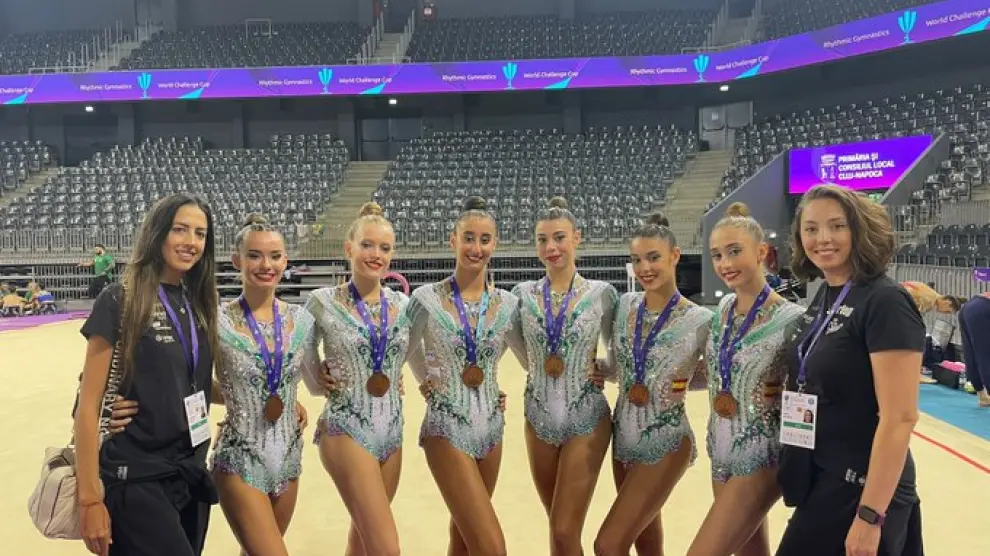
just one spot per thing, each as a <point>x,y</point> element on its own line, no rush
<point>922,24</point>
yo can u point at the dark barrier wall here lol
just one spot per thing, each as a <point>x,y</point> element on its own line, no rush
<point>914,179</point>
<point>31,16</point>
<point>766,196</point>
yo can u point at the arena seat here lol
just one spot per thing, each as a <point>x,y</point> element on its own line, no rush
<point>21,52</point>
<point>521,37</point>
<point>517,171</point>
<point>104,199</point>
<point>19,160</point>
<point>801,16</point>
<point>288,44</point>
<point>962,112</point>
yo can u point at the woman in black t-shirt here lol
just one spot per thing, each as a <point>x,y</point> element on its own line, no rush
<point>847,468</point>
<point>156,493</point>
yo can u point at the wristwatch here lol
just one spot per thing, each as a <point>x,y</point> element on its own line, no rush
<point>870,516</point>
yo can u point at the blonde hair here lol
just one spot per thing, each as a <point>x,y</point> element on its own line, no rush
<point>738,216</point>
<point>369,213</point>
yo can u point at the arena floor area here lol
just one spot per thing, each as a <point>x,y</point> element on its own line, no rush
<point>41,365</point>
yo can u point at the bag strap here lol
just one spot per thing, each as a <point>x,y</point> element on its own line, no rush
<point>115,378</point>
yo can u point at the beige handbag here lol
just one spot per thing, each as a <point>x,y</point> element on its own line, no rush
<point>54,506</point>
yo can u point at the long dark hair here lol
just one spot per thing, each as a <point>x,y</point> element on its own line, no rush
<point>144,273</point>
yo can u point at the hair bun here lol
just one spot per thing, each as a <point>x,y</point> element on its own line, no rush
<point>656,219</point>
<point>474,202</point>
<point>255,219</point>
<point>370,208</point>
<point>738,209</point>
<point>557,202</point>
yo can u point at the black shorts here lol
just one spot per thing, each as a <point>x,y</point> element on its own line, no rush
<point>821,522</point>
<point>145,521</point>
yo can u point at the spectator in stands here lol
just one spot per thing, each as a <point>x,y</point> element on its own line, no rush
<point>163,320</point>
<point>653,441</point>
<point>568,426</point>
<point>462,323</point>
<point>746,364</point>
<point>365,336</point>
<point>974,322</point>
<point>103,269</point>
<point>850,476</point>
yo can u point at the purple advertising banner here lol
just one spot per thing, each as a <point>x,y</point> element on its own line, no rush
<point>865,166</point>
<point>918,25</point>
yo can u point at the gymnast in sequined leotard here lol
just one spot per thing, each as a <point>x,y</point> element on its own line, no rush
<point>364,329</point>
<point>265,348</point>
<point>746,365</point>
<point>462,324</point>
<point>657,341</point>
<point>562,317</point>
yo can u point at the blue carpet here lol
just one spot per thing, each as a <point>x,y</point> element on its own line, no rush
<point>956,408</point>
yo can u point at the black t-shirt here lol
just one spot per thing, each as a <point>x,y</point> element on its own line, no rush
<point>875,316</point>
<point>159,379</point>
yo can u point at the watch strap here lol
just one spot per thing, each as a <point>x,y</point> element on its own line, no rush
<point>870,515</point>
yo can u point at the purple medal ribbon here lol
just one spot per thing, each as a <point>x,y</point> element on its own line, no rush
<point>728,350</point>
<point>191,352</point>
<point>379,337</point>
<point>470,339</point>
<point>555,324</point>
<point>274,367</point>
<point>641,349</point>
<point>808,343</point>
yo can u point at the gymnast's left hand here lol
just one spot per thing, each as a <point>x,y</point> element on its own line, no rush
<point>302,416</point>
<point>863,539</point>
<point>501,401</point>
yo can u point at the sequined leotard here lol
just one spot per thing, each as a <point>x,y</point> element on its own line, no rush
<point>750,441</point>
<point>265,455</point>
<point>647,434</point>
<point>468,418</point>
<point>374,423</point>
<point>570,405</point>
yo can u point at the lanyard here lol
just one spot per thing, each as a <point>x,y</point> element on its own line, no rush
<point>808,343</point>
<point>640,348</point>
<point>191,352</point>
<point>272,365</point>
<point>728,348</point>
<point>470,339</point>
<point>379,337</point>
<point>554,325</point>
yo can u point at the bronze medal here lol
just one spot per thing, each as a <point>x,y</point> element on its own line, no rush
<point>725,405</point>
<point>378,385</point>
<point>273,408</point>
<point>639,394</point>
<point>472,376</point>
<point>553,365</point>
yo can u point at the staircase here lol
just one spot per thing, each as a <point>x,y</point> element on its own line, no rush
<point>691,193</point>
<point>32,183</point>
<point>388,48</point>
<point>361,179</point>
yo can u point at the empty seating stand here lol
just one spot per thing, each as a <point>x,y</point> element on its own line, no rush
<point>518,38</point>
<point>791,17</point>
<point>19,160</point>
<point>518,171</point>
<point>288,44</point>
<point>103,200</point>
<point>20,53</point>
